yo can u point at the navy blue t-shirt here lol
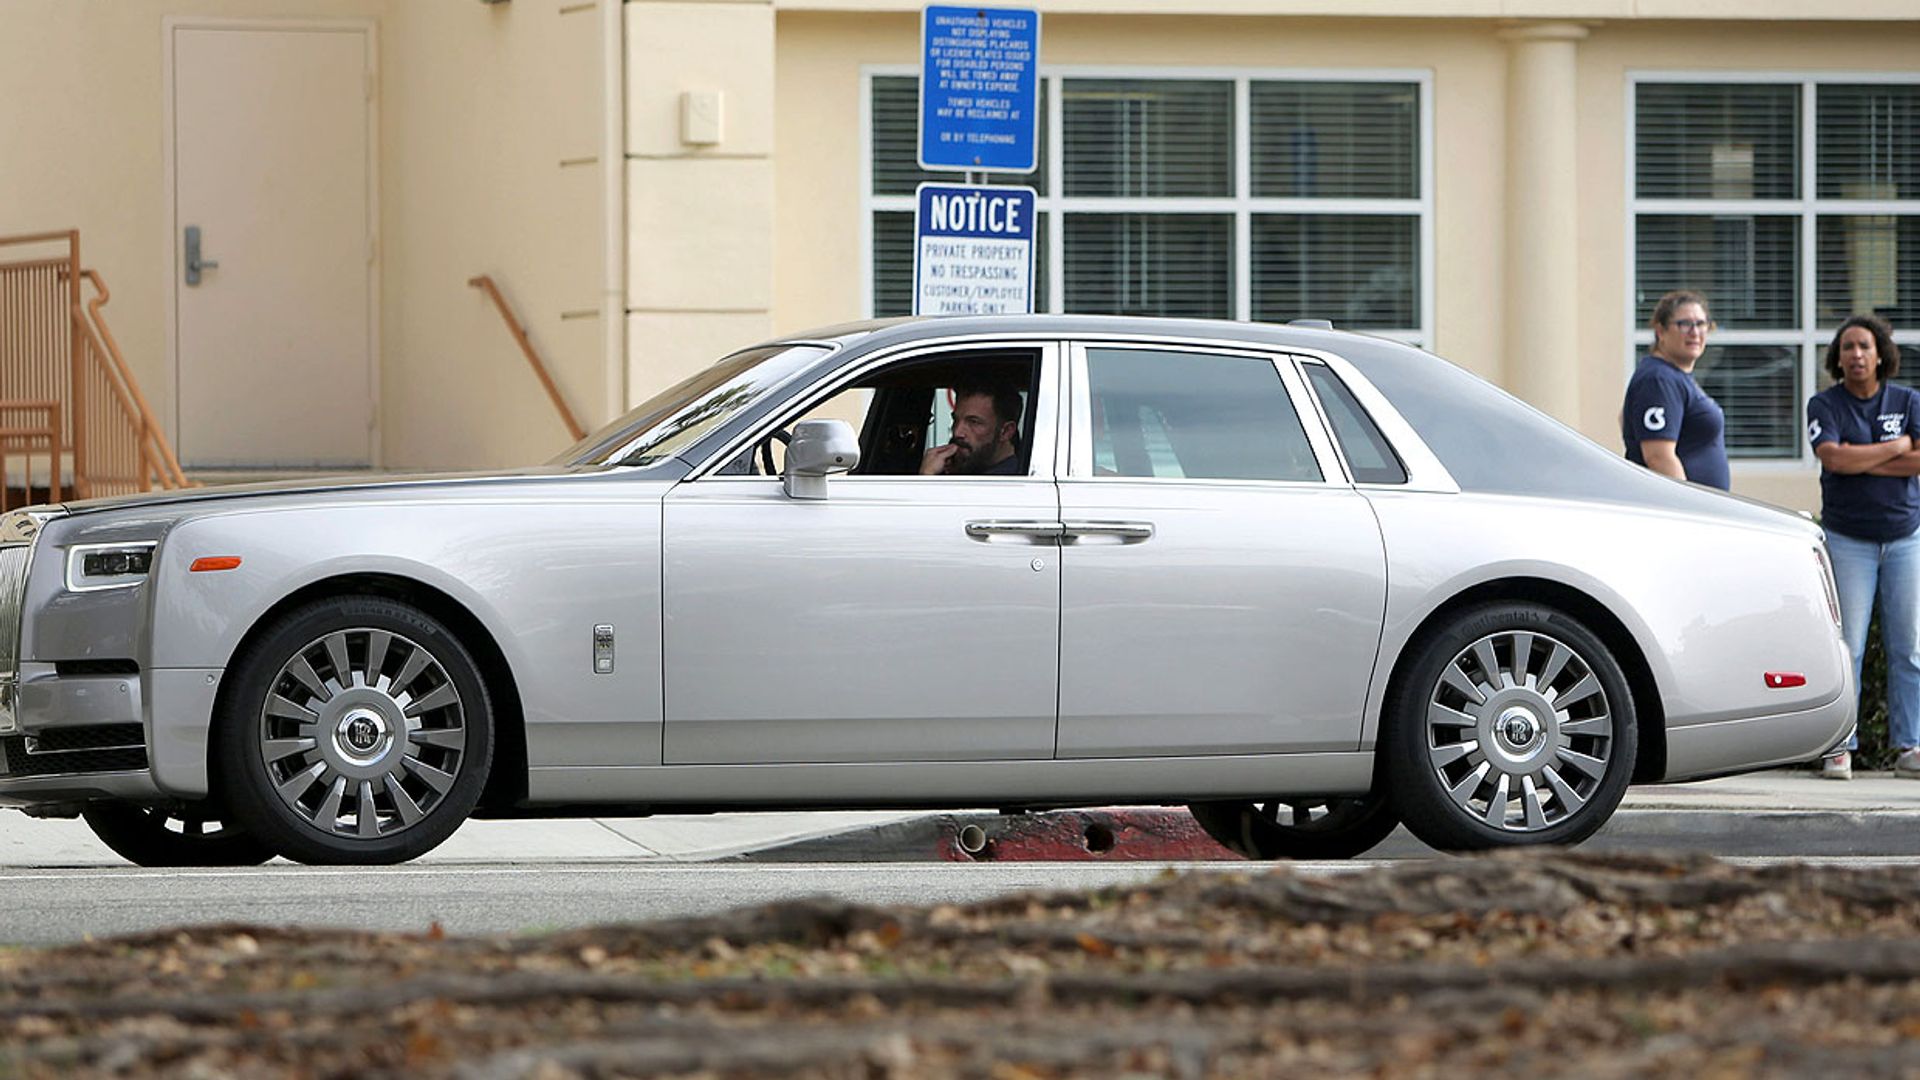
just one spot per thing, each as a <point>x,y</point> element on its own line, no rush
<point>1876,508</point>
<point>1664,402</point>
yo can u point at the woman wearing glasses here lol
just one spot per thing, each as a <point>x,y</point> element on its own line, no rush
<point>1669,424</point>
<point>1864,429</point>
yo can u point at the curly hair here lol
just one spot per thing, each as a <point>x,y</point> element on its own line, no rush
<point>1882,332</point>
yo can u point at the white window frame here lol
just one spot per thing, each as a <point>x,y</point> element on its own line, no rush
<point>1811,338</point>
<point>1242,205</point>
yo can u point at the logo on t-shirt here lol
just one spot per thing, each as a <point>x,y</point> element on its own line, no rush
<point>1891,423</point>
<point>1655,419</point>
<point>1813,431</point>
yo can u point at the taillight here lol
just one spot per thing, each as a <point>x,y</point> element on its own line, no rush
<point>1826,579</point>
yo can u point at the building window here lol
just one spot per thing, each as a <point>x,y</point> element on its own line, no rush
<point>1243,196</point>
<point>1792,203</point>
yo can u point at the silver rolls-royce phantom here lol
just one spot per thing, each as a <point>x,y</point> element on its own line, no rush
<point>1309,583</point>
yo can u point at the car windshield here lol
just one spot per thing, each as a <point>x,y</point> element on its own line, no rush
<point>675,418</point>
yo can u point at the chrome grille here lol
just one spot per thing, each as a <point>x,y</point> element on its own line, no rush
<point>13,588</point>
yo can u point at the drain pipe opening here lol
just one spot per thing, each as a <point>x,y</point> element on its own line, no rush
<point>1099,838</point>
<point>972,840</point>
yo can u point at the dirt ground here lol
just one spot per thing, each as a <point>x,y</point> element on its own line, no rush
<point>1520,965</point>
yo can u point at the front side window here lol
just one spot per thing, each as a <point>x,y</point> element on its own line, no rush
<point>1193,416</point>
<point>1786,234</point>
<point>969,414</point>
<point>1157,198</point>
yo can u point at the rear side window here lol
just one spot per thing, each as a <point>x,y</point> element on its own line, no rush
<point>1367,451</point>
<point>1194,416</point>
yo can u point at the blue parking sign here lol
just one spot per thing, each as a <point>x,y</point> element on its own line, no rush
<point>973,250</point>
<point>979,88</point>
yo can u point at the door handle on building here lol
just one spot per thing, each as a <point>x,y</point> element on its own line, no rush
<point>195,263</point>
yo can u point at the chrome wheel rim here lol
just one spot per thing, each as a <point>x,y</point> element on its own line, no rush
<point>1519,731</point>
<point>362,733</point>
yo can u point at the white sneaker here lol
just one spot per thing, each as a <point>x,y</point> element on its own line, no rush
<point>1839,766</point>
<point>1908,763</point>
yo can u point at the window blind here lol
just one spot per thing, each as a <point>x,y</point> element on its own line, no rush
<point>1150,264</point>
<point>1147,138</point>
<point>1360,270</point>
<point>1869,141</point>
<point>1335,140</point>
<point>1759,389</point>
<point>1747,265</point>
<point>1716,141</point>
<point>1868,263</point>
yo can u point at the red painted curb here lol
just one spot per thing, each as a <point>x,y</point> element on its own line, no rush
<point>1079,835</point>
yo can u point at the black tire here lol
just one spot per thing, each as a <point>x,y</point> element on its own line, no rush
<point>1553,731</point>
<point>1299,828</point>
<point>173,835</point>
<point>382,786</point>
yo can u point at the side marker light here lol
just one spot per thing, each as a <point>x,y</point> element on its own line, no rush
<point>1780,680</point>
<point>213,562</point>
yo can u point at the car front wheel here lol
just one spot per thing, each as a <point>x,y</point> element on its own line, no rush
<point>1298,828</point>
<point>358,730</point>
<point>1514,726</point>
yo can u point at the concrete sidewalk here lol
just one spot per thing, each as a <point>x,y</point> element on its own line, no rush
<point>1874,814</point>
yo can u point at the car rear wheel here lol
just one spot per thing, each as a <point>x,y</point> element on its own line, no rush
<point>1513,727</point>
<point>1298,828</point>
<point>358,731</point>
<point>174,835</point>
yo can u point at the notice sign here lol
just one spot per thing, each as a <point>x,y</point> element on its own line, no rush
<point>973,250</point>
<point>979,88</point>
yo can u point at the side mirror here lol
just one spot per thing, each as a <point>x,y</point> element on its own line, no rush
<point>819,447</point>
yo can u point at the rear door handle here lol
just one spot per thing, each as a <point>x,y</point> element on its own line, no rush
<point>1127,532</point>
<point>1035,531</point>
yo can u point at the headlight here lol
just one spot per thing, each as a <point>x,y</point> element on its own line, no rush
<point>108,566</point>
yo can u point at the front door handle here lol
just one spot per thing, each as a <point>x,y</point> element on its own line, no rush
<point>1127,532</point>
<point>195,263</point>
<point>1035,531</point>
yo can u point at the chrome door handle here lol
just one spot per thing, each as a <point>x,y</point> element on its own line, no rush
<point>1032,530</point>
<point>1127,532</point>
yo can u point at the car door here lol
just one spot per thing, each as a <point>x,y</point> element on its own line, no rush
<point>901,618</point>
<point>1222,585</point>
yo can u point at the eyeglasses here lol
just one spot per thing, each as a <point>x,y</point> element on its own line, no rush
<point>1688,326</point>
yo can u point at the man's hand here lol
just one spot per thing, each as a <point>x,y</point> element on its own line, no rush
<point>934,463</point>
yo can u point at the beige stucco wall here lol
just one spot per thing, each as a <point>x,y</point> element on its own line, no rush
<point>700,215</point>
<point>478,108</point>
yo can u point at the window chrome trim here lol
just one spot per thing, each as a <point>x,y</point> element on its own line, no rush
<point>1041,454</point>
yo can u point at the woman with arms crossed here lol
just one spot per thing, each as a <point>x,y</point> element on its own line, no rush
<point>1863,430</point>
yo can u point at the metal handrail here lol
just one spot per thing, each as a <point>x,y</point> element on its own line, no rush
<point>151,442</point>
<point>55,335</point>
<point>485,284</point>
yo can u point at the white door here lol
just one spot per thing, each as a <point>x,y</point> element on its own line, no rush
<point>902,618</point>
<point>1221,592</point>
<point>272,162</point>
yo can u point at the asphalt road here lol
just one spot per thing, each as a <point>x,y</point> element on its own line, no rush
<point>55,906</point>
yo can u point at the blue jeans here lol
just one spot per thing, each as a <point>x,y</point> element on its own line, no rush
<point>1862,570</point>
